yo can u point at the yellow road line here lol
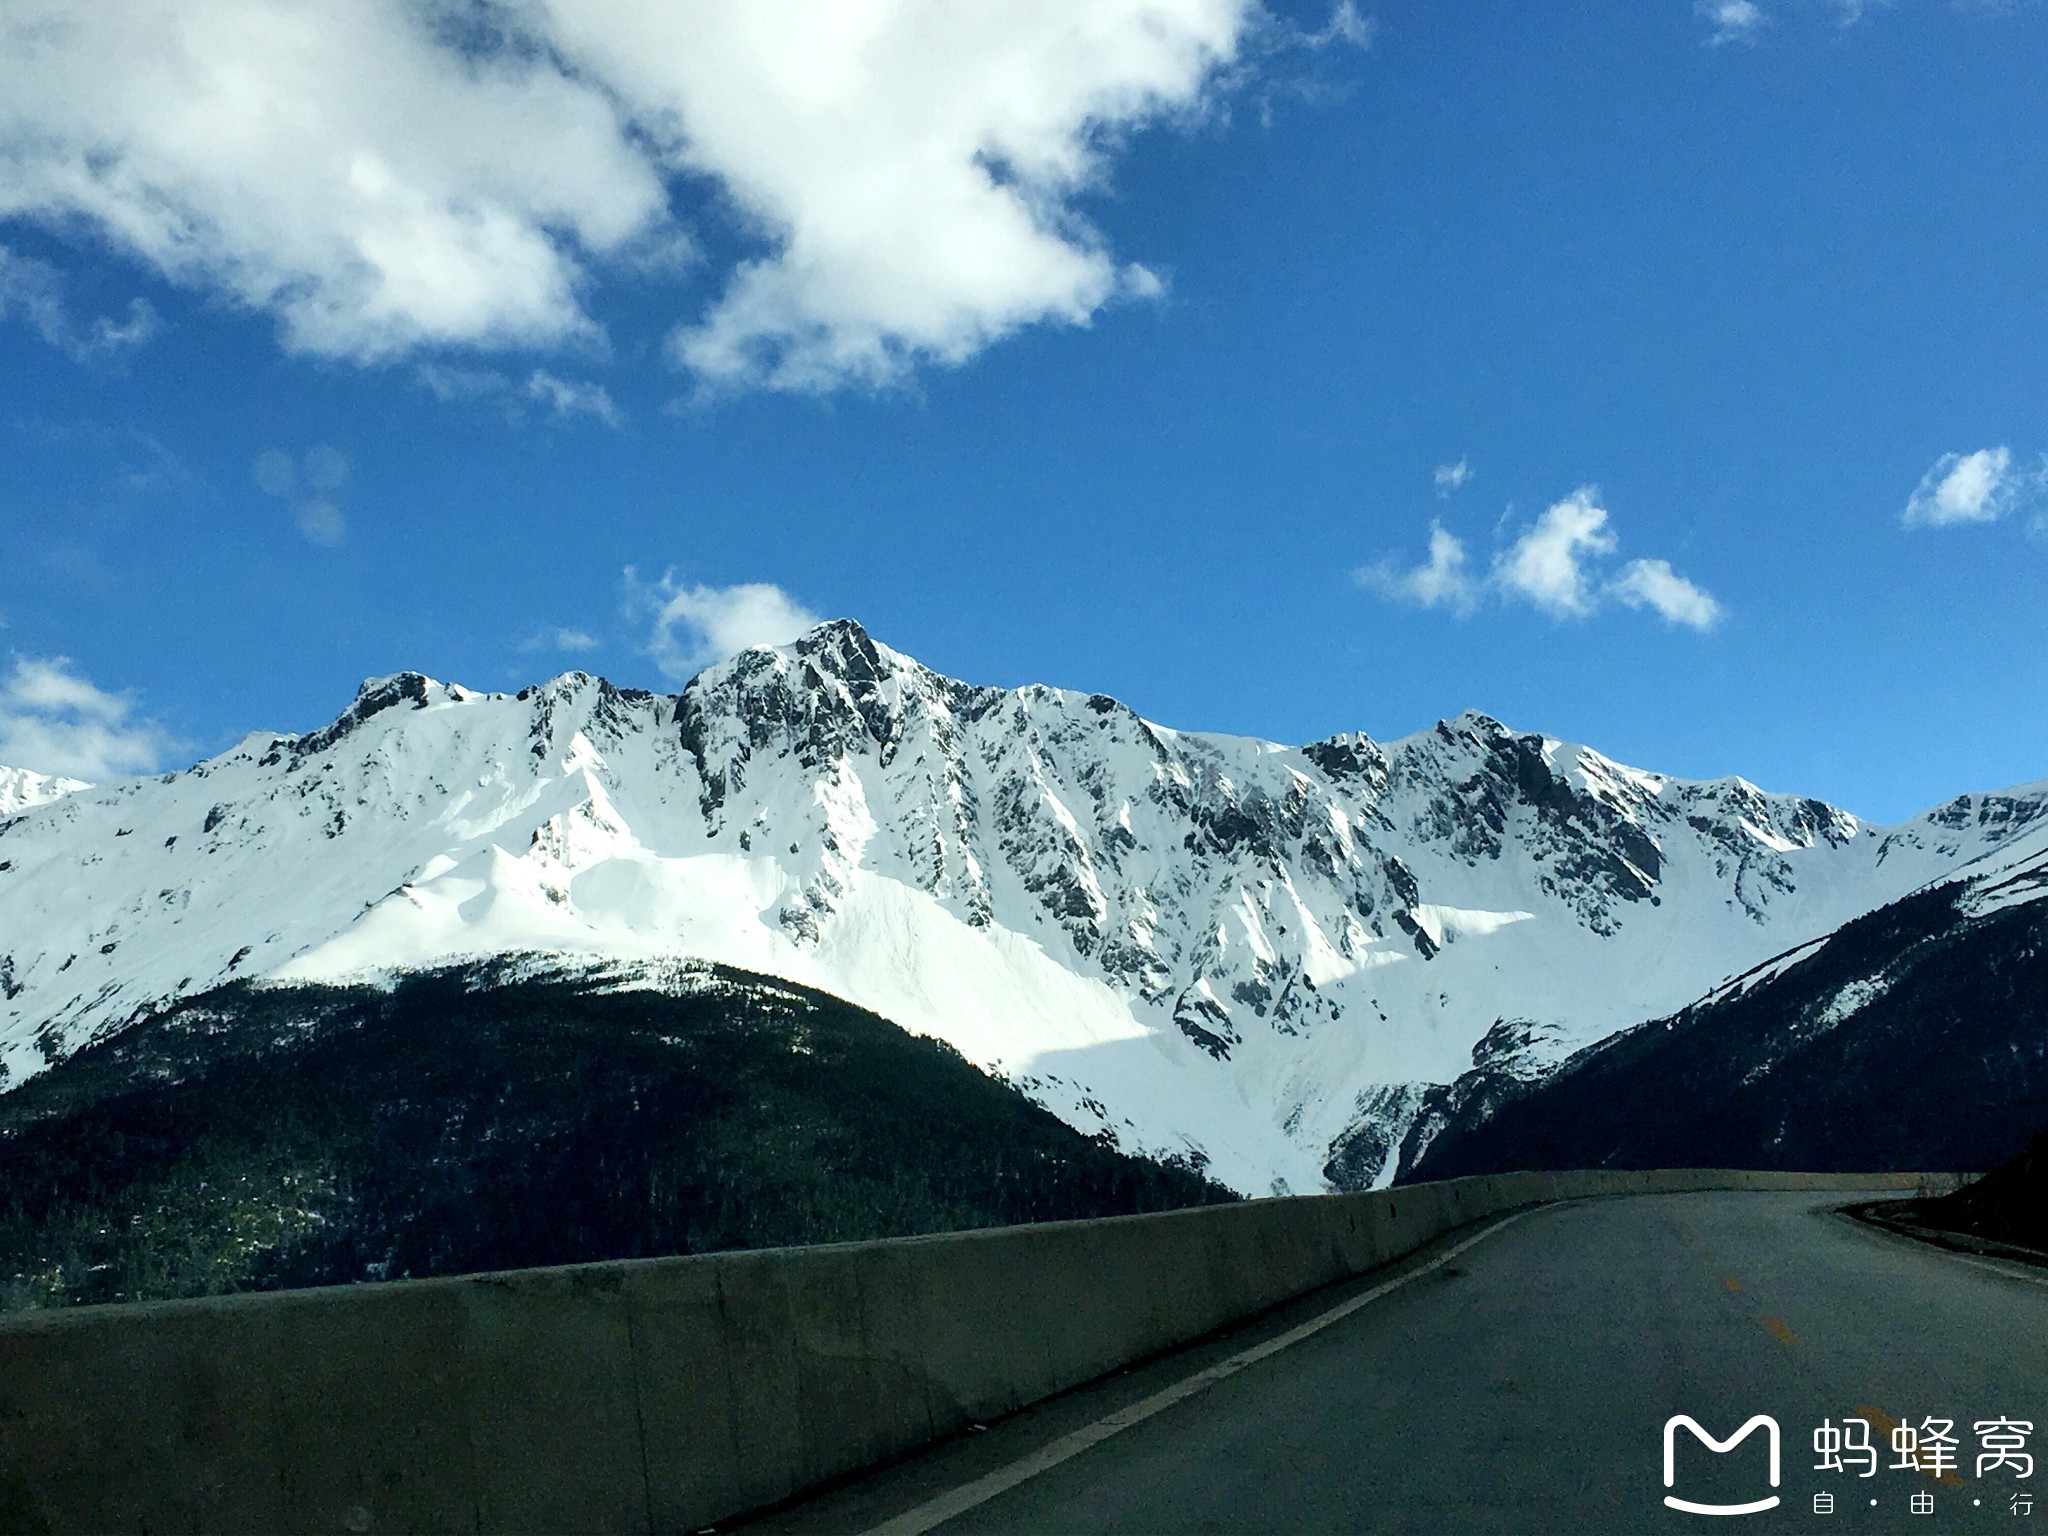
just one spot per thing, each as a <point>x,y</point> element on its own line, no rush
<point>1731,1282</point>
<point>1775,1327</point>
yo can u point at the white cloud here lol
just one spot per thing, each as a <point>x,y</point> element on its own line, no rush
<point>52,720</point>
<point>1744,21</point>
<point>329,161</point>
<point>694,626</point>
<point>1452,477</point>
<point>1547,565</point>
<point>1559,565</point>
<point>1732,21</point>
<point>33,291</point>
<point>1346,26</point>
<point>153,467</point>
<point>1439,582</point>
<point>912,167</point>
<point>1653,584</point>
<point>572,397</point>
<point>1978,487</point>
<point>383,175</point>
<point>448,382</point>
<point>566,640</point>
<point>1279,58</point>
<point>563,399</point>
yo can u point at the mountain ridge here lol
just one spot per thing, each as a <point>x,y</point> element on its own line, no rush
<point>1849,1052</point>
<point>1216,946</point>
<point>21,788</point>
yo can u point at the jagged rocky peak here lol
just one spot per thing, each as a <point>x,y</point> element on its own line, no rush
<point>837,655</point>
<point>1352,758</point>
<point>2008,812</point>
<point>1475,722</point>
<point>1523,1048</point>
<point>376,695</point>
<point>564,686</point>
<point>1487,792</point>
<point>577,705</point>
<point>1202,943</point>
<point>844,649</point>
<point>834,692</point>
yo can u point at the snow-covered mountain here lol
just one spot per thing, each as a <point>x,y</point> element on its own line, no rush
<point>1915,1036</point>
<point>20,789</point>
<point>1199,943</point>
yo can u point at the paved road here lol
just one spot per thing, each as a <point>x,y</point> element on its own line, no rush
<point>1524,1385</point>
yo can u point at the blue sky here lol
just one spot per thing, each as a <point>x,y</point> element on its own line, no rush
<point>1132,345</point>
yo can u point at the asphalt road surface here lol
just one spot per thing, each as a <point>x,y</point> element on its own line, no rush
<point>1524,1382</point>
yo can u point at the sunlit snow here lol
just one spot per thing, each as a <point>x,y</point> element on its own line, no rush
<point>1203,944</point>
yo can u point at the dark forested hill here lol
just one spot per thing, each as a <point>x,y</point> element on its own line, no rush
<point>2008,1205</point>
<point>1913,1038</point>
<point>469,1119</point>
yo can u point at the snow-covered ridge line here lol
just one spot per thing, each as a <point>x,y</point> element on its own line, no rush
<point>1206,944</point>
<point>20,788</point>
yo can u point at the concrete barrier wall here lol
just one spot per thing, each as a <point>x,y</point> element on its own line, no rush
<point>661,1394</point>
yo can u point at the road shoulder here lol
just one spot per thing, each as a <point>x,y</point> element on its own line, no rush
<point>875,1498</point>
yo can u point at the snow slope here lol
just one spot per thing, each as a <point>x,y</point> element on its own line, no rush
<point>1855,1051</point>
<point>1200,943</point>
<point>20,789</point>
